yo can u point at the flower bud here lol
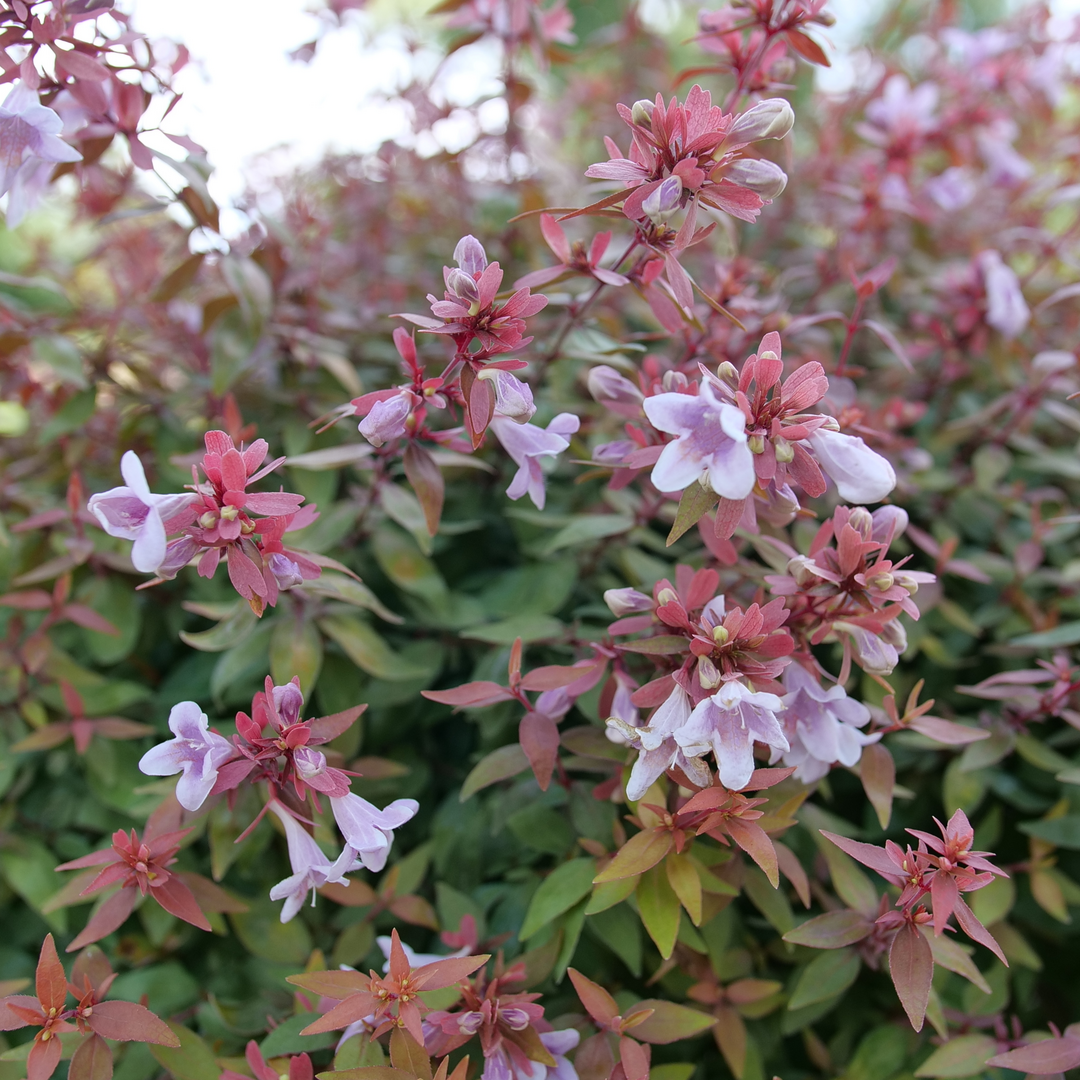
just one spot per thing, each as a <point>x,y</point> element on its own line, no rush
<point>462,285</point>
<point>286,572</point>
<point>728,373</point>
<point>905,581</point>
<point>803,570</point>
<point>208,520</point>
<point>770,119</point>
<point>785,452</point>
<point>874,655</point>
<point>387,419</point>
<point>309,763</point>
<point>663,201</point>
<point>229,513</point>
<point>756,442</point>
<point>708,674</point>
<point>861,521</point>
<point>247,528</point>
<point>470,256</point>
<point>889,522</point>
<point>893,633</point>
<point>720,635</point>
<point>627,602</point>
<point>674,382</point>
<point>177,555</point>
<point>513,398</point>
<point>882,581</point>
<point>762,177</point>
<point>613,453</point>
<point>289,701</point>
<point>667,596</point>
<point>641,113</point>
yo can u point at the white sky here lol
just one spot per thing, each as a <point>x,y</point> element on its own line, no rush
<point>243,96</point>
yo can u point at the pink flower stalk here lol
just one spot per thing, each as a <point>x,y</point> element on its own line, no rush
<point>369,830</point>
<point>527,444</point>
<point>133,512</point>
<point>310,865</point>
<point>195,751</point>
<point>30,146</point>
<point>821,725</point>
<point>729,723</point>
<point>572,259</point>
<point>657,747</point>
<point>710,443</point>
<point>693,148</point>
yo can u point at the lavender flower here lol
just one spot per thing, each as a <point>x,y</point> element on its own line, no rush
<point>470,255</point>
<point>821,725</point>
<point>861,475</point>
<point>196,751</point>
<point>286,572</point>
<point>658,748</point>
<point>729,723</point>
<point>1006,309</point>
<point>369,830</point>
<point>711,443</point>
<point>627,602</point>
<point>663,201</point>
<point>133,512</point>
<point>513,398</point>
<point>311,867</point>
<point>762,177</point>
<point>30,145</point>
<point>769,119</point>
<point>526,444</point>
<point>388,419</point>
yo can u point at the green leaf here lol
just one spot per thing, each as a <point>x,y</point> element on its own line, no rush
<point>669,1022</point>
<point>588,528</point>
<point>620,930</point>
<point>662,645</point>
<point>296,648</point>
<point>558,892</point>
<point>833,930</point>
<point>641,852</point>
<point>610,893</point>
<point>230,632</point>
<point>249,655</point>
<point>367,650</point>
<point>1065,634</point>
<point>1061,832</point>
<point>824,977</point>
<point>29,869</point>
<point>349,591</point>
<point>71,416</point>
<point>1036,752</point>
<point>695,502</point>
<point>404,507</point>
<point>772,903</point>
<point>966,1055</point>
<point>527,627</point>
<point>499,765</point>
<point>62,355</point>
<point>286,1038</point>
<point>263,934</point>
<point>193,1060</point>
<point>404,564</point>
<point>659,908</point>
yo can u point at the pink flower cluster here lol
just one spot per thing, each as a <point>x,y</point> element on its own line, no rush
<point>220,517</point>
<point>276,747</point>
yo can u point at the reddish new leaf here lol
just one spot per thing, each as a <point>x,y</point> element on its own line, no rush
<point>640,853</point>
<point>175,897</point>
<point>473,694</point>
<point>43,1059</point>
<point>92,1060</point>
<point>539,737</point>
<point>599,1004</point>
<point>427,481</point>
<point>109,917</point>
<point>127,1022</point>
<point>833,930</point>
<point>553,677</point>
<point>50,982</point>
<point>878,773</point>
<point>975,930</point>
<point>874,857</point>
<point>1048,1056</point>
<point>911,965</point>
<point>444,973</point>
<point>635,1059</point>
<point>754,840</point>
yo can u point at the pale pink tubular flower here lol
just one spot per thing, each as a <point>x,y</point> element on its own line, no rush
<point>513,398</point>
<point>526,444</point>
<point>861,475</point>
<point>500,1066</point>
<point>821,725</point>
<point>627,602</point>
<point>133,512</point>
<point>311,867</point>
<point>30,145</point>
<point>711,443</point>
<point>196,751</point>
<point>657,747</point>
<point>387,420</point>
<point>1006,308</point>
<point>369,830</point>
<point>729,723</point>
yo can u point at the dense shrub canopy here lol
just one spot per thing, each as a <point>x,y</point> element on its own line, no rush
<point>677,665</point>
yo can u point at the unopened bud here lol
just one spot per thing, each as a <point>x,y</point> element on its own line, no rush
<point>247,527</point>
<point>907,583</point>
<point>286,572</point>
<point>470,255</point>
<point>674,382</point>
<point>831,424</point>
<point>627,602</point>
<point>664,200</point>
<point>667,596</point>
<point>641,113</point>
<point>728,373</point>
<point>889,521</point>
<point>881,581</point>
<point>607,385</point>
<point>771,119</point>
<point>208,520</point>
<point>861,521</point>
<point>462,285</point>
<point>785,452</point>
<point>756,442</point>
<point>708,674</point>
<point>764,178</point>
<point>720,635</point>
<point>894,634</point>
<point>803,570</point>
<point>229,513</point>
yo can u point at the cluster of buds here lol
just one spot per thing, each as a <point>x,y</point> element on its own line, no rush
<point>218,517</point>
<point>721,693</point>
<point>275,746</point>
<point>847,589</point>
<point>744,437</point>
<point>476,382</point>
